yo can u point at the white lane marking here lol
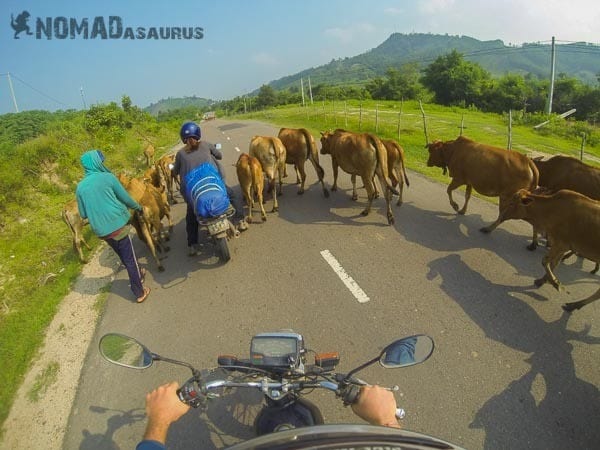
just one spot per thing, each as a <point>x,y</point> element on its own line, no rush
<point>352,286</point>
<point>237,149</point>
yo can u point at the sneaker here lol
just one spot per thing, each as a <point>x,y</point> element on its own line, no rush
<point>242,225</point>
<point>192,250</point>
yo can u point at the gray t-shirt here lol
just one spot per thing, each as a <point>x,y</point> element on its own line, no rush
<point>186,161</point>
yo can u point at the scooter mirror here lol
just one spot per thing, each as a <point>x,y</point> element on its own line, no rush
<point>407,351</point>
<point>125,351</point>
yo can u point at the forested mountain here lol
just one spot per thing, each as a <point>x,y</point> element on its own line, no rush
<point>579,60</point>
<point>169,104</point>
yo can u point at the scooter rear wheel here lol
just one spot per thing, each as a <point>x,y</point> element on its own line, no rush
<point>223,249</point>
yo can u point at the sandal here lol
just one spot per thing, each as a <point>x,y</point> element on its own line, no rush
<point>145,296</point>
<point>143,275</point>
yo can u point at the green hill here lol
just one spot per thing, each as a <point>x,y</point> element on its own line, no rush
<point>580,60</point>
<point>169,104</point>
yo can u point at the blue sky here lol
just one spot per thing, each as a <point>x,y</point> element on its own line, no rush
<point>246,43</point>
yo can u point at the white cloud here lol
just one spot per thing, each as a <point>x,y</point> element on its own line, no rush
<point>393,11</point>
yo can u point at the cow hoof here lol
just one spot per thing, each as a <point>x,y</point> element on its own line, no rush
<point>461,212</point>
<point>300,191</point>
<point>539,282</point>
<point>264,218</point>
<point>355,197</point>
<point>391,221</point>
<point>569,307</point>
<point>531,247</point>
<point>161,268</point>
<point>364,213</point>
<point>485,230</point>
<point>333,188</point>
<point>326,193</point>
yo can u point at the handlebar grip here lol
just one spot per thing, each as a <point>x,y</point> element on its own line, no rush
<point>190,396</point>
<point>350,394</point>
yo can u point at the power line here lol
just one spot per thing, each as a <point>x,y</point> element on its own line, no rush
<point>9,75</point>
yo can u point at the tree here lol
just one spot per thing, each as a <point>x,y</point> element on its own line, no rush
<point>126,103</point>
<point>399,84</point>
<point>455,81</point>
<point>266,97</point>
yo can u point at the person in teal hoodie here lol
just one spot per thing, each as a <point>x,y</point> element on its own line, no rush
<point>103,200</point>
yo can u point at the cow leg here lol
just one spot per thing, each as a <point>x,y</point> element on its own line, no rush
<point>280,171</point>
<point>321,175</point>
<point>248,195</point>
<point>388,197</point>
<point>368,183</point>
<point>334,168</point>
<point>468,191</point>
<point>581,303</point>
<point>534,240</point>
<point>143,233</point>
<point>498,221</point>
<point>453,185</point>
<point>302,179</point>
<point>298,181</point>
<point>274,192</point>
<point>354,192</point>
<point>397,180</point>
<point>550,261</point>
<point>263,213</point>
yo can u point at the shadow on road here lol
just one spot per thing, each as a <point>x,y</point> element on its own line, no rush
<point>567,416</point>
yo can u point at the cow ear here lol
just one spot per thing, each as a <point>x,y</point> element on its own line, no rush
<point>526,200</point>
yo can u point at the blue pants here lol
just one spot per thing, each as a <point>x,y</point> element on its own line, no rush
<point>124,248</point>
<point>191,223</point>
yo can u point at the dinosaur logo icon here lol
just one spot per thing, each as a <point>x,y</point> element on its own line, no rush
<point>20,23</point>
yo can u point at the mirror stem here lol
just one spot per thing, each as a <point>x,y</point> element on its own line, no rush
<point>156,357</point>
<point>361,367</point>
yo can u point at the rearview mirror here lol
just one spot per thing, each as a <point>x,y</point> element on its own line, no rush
<point>218,146</point>
<point>125,351</point>
<point>407,351</point>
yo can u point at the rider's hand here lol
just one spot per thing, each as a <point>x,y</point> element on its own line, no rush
<point>163,407</point>
<point>377,406</point>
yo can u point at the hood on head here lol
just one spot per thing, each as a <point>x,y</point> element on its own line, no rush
<point>93,161</point>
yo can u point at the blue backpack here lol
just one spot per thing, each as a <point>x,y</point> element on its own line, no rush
<point>206,191</point>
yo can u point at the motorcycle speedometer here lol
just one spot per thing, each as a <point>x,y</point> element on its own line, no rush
<point>277,350</point>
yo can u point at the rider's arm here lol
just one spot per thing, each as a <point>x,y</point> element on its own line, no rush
<point>163,407</point>
<point>377,406</point>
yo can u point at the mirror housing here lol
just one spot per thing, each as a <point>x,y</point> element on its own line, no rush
<point>125,351</point>
<point>218,146</point>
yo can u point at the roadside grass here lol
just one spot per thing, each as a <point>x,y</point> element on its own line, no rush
<point>43,381</point>
<point>443,123</point>
<point>37,264</point>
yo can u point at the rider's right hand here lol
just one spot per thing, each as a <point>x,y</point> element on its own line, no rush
<point>377,406</point>
<point>163,407</point>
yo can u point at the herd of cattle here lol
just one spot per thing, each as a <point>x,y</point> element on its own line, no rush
<point>559,197</point>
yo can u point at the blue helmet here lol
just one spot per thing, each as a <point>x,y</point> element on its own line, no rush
<point>189,129</point>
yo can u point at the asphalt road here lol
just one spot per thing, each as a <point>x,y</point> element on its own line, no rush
<point>510,369</point>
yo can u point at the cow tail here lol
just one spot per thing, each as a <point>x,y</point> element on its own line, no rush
<point>536,175</point>
<point>381,153</point>
<point>313,155</point>
<point>403,161</point>
<point>67,221</point>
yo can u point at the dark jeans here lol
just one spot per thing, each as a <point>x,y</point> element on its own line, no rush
<point>191,223</point>
<point>124,248</point>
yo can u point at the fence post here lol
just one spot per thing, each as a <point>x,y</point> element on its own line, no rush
<point>345,114</point>
<point>462,124</point>
<point>400,117</point>
<point>376,118</point>
<point>424,122</point>
<point>334,114</point>
<point>360,117</point>
<point>583,137</point>
<point>509,146</point>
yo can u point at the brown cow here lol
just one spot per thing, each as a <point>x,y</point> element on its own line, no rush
<point>396,166</point>
<point>252,181</point>
<point>491,171</point>
<point>359,154</point>
<point>565,172</point>
<point>168,179</point>
<point>270,151</point>
<point>569,219</point>
<point>70,215</point>
<point>149,154</point>
<point>148,225</point>
<point>300,146</point>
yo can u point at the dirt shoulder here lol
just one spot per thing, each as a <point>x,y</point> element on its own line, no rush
<point>53,377</point>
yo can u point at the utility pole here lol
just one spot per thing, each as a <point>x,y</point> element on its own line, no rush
<point>82,97</point>
<point>12,91</point>
<point>302,89</point>
<point>310,91</point>
<point>551,90</point>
